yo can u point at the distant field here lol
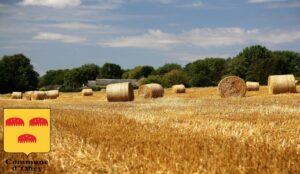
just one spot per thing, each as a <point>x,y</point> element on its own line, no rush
<point>195,132</point>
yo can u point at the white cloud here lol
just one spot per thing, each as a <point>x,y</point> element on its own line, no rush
<point>294,4</point>
<point>79,25</point>
<point>165,1</point>
<point>264,1</point>
<point>189,57</point>
<point>152,39</point>
<point>51,3</point>
<point>59,37</point>
<point>277,3</point>
<point>198,4</point>
<point>205,38</point>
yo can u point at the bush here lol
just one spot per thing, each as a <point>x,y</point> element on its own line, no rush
<point>69,89</point>
<point>96,88</point>
<point>153,79</point>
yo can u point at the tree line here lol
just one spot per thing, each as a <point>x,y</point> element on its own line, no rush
<point>254,63</point>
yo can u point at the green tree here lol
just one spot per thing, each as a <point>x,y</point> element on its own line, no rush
<point>140,71</point>
<point>175,77</point>
<point>89,71</point>
<point>167,68</point>
<point>76,77</point>
<point>53,77</point>
<point>206,72</point>
<point>111,71</point>
<point>252,64</point>
<point>17,74</point>
<point>285,62</point>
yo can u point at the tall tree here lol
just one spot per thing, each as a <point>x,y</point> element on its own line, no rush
<point>111,71</point>
<point>17,74</point>
<point>167,68</point>
<point>285,62</point>
<point>252,64</point>
<point>53,77</point>
<point>206,72</point>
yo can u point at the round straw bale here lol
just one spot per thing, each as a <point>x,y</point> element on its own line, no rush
<point>52,94</point>
<point>232,86</point>
<point>119,92</point>
<point>281,84</point>
<point>27,95</point>
<point>252,86</point>
<point>87,92</point>
<point>152,90</point>
<point>16,95</point>
<point>178,88</point>
<point>38,95</point>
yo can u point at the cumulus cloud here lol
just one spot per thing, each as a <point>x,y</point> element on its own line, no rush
<point>59,37</point>
<point>51,3</point>
<point>205,38</point>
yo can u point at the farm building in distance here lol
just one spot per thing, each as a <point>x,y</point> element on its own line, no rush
<point>104,82</point>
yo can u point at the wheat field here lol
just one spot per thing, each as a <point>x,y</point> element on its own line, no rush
<point>195,132</point>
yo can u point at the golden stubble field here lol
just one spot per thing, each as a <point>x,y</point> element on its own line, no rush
<point>196,132</point>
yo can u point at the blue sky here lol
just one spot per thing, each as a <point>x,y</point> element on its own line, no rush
<point>58,34</point>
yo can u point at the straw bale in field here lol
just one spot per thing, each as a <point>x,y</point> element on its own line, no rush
<point>38,95</point>
<point>152,90</point>
<point>27,95</point>
<point>87,92</point>
<point>178,88</point>
<point>252,86</point>
<point>281,84</point>
<point>232,86</point>
<point>52,94</point>
<point>16,95</point>
<point>119,92</point>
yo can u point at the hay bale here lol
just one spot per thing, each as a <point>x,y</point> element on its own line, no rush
<point>87,92</point>
<point>232,86</point>
<point>252,86</point>
<point>52,94</point>
<point>281,84</point>
<point>152,90</point>
<point>27,95</point>
<point>38,95</point>
<point>119,92</point>
<point>16,95</point>
<point>178,88</point>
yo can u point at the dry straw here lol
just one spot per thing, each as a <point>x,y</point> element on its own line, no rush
<point>38,95</point>
<point>152,90</point>
<point>52,94</point>
<point>281,84</point>
<point>16,95</point>
<point>252,86</point>
<point>232,86</point>
<point>178,88</point>
<point>27,95</point>
<point>119,92</point>
<point>87,92</point>
<point>297,82</point>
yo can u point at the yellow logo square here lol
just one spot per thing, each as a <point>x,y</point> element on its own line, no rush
<point>26,130</point>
